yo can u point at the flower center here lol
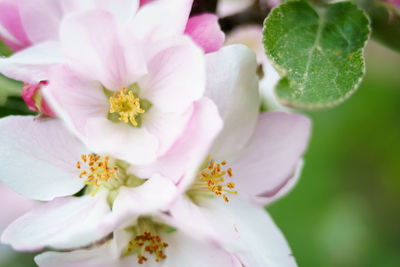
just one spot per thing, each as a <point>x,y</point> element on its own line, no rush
<point>98,172</point>
<point>146,240</point>
<point>212,179</point>
<point>126,105</point>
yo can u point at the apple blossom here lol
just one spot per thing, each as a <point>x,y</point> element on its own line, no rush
<point>147,242</point>
<point>61,166</point>
<point>253,160</point>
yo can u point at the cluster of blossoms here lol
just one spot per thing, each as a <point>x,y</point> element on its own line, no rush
<point>149,147</point>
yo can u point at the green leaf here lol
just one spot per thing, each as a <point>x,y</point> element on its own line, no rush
<point>9,87</point>
<point>318,53</point>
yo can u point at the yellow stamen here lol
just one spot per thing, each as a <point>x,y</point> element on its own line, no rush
<point>126,105</point>
<point>98,172</point>
<point>149,243</point>
<point>213,177</point>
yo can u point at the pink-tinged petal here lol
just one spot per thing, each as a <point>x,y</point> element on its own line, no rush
<point>123,10</point>
<point>191,148</point>
<point>234,89</point>
<point>272,153</point>
<point>31,65</point>
<point>28,92</point>
<point>176,76</point>
<point>155,195</point>
<point>11,30</point>
<point>100,56</point>
<point>189,218</point>
<point>42,18</point>
<point>205,32</point>
<point>172,16</point>
<point>287,185</point>
<point>74,99</point>
<point>41,156</point>
<point>120,140</point>
<point>31,94</point>
<point>144,2</point>
<point>9,213</point>
<point>249,232</point>
<point>241,228</point>
<point>166,127</point>
<point>62,223</point>
<point>184,250</point>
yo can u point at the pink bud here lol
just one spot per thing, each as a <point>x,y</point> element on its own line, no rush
<point>34,100</point>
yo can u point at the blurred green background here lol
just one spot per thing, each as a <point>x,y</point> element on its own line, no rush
<point>345,210</point>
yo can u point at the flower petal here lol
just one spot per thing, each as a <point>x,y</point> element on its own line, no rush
<point>272,153</point>
<point>166,127</point>
<point>31,65</point>
<point>205,32</point>
<point>249,232</point>
<point>42,18</point>
<point>191,149</point>
<point>240,227</point>
<point>11,30</point>
<point>171,15</point>
<point>155,195</point>
<point>62,223</point>
<point>75,99</point>
<point>186,251</point>
<point>234,88</point>
<point>20,205</point>
<point>176,76</point>
<point>47,150</point>
<point>94,257</point>
<point>134,145</point>
<point>100,56</point>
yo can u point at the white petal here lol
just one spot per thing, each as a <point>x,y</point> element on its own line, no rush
<point>273,152</point>
<point>31,65</point>
<point>20,205</point>
<point>172,16</point>
<point>134,145</point>
<point>155,195</point>
<point>248,231</point>
<point>185,251</point>
<point>61,223</point>
<point>232,84</point>
<point>98,56</point>
<point>41,156</point>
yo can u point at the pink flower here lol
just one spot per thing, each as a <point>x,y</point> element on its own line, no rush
<point>52,153</point>
<point>257,155</point>
<point>181,250</point>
